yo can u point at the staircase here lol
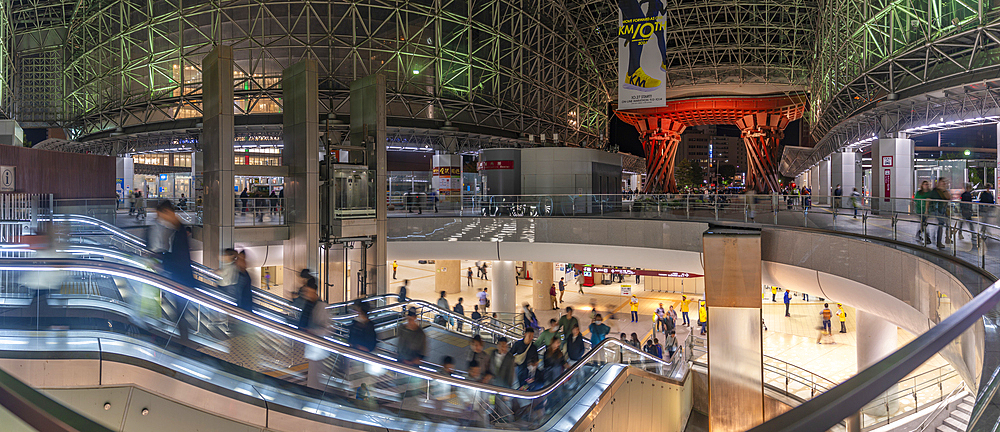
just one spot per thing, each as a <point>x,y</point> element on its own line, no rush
<point>958,419</point>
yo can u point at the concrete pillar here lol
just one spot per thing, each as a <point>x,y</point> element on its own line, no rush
<point>843,171</point>
<point>892,172</point>
<point>541,274</point>
<point>735,353</point>
<point>503,293</point>
<point>814,180</point>
<point>877,338</point>
<point>825,189</point>
<point>217,143</point>
<point>300,114</point>
<point>448,276</point>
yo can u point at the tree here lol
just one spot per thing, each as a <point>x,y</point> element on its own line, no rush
<point>689,174</point>
<point>727,171</point>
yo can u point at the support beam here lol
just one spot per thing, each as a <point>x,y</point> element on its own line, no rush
<point>735,347</point>
<point>217,142</point>
<point>660,140</point>
<point>761,134</point>
<point>503,295</point>
<point>448,276</point>
<point>368,130</point>
<point>892,174</point>
<point>541,274</point>
<point>300,113</point>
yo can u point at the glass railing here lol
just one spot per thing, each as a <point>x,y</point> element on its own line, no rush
<point>198,329</point>
<point>913,394</point>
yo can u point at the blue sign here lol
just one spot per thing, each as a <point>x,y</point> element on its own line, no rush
<point>163,177</point>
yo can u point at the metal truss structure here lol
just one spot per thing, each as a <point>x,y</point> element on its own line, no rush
<point>951,108</point>
<point>745,42</point>
<point>870,56</point>
<point>493,69</point>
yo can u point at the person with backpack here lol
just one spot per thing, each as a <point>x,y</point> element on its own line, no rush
<point>827,316</point>
<point>459,309</point>
<point>442,303</point>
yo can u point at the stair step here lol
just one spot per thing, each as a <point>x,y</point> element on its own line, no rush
<point>955,423</point>
<point>964,407</point>
<point>961,415</point>
<point>969,399</point>
<point>945,428</point>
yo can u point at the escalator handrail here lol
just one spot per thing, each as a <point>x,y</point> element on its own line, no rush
<point>335,347</point>
<point>829,408</point>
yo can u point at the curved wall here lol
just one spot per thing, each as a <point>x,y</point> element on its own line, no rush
<point>907,290</point>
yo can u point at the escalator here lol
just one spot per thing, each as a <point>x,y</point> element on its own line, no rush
<point>202,339</point>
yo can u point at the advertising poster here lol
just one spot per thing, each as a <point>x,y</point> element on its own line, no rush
<point>641,58</point>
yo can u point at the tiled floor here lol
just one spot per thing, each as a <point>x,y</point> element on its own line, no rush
<point>788,339</point>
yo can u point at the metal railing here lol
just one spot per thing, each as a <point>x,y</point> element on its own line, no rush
<point>404,390</point>
<point>923,390</point>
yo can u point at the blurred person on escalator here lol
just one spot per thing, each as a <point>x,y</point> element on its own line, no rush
<point>244,286</point>
<point>228,271</point>
<point>575,347</point>
<point>412,341</point>
<point>314,320</point>
<point>362,332</point>
<point>598,330</point>
<point>168,240</point>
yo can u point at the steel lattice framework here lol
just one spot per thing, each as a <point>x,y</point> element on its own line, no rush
<point>506,68</point>
<point>874,52</point>
<point>739,42</point>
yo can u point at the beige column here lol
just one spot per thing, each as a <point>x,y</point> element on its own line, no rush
<point>735,352</point>
<point>447,276</point>
<point>217,142</point>
<point>541,274</point>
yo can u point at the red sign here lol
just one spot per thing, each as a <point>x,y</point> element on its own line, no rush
<point>886,161</point>
<point>887,179</point>
<point>488,165</point>
<point>633,272</point>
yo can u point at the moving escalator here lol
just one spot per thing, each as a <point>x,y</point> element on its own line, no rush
<point>202,338</point>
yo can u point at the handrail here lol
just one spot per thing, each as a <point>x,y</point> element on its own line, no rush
<point>218,305</point>
<point>941,406</point>
<point>847,398</point>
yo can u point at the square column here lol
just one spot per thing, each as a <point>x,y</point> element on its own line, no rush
<point>368,129</point>
<point>825,188</point>
<point>892,174</point>
<point>300,115</point>
<point>217,138</point>
<point>843,171</point>
<point>735,347</point>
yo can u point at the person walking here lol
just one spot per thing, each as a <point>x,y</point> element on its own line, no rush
<point>485,267</point>
<point>562,289</point>
<point>703,317</point>
<point>598,330</point>
<point>484,300</point>
<point>672,317</point>
<point>827,316</point>
<point>921,208</point>
<point>788,299</point>
<point>774,294</point>
<point>553,298</point>
<point>855,198</point>
<point>966,209</point>
<point>501,364</point>
<point>987,200</point>
<point>634,306</point>
<point>442,303</point>
<point>567,322</point>
<point>459,309</point>
<point>837,194</point>
<point>939,207</point>
<point>659,313</point>
<point>843,318</point>
<point>394,267</point>
<point>684,310</point>
<point>468,275</point>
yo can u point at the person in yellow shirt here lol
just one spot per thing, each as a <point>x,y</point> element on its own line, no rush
<point>394,267</point>
<point>634,304</point>
<point>684,310</point>
<point>703,317</point>
<point>774,294</point>
<point>843,318</point>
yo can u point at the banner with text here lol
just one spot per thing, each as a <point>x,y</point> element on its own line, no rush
<point>641,58</point>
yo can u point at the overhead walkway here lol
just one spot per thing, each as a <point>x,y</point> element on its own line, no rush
<point>256,360</point>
